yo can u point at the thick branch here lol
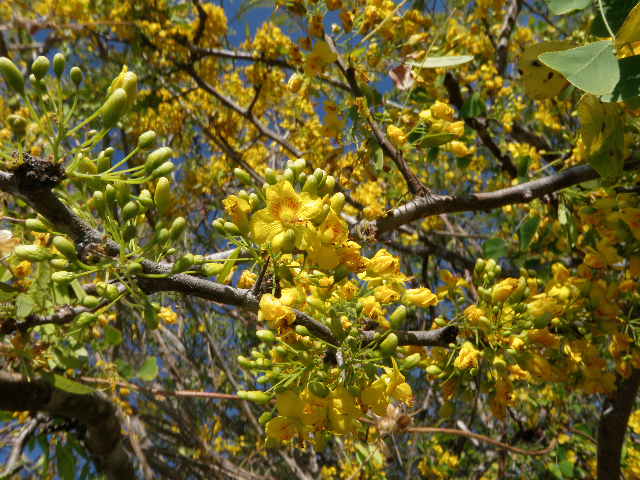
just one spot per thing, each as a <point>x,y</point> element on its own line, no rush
<point>104,439</point>
<point>613,426</point>
<point>440,337</point>
<point>505,34</point>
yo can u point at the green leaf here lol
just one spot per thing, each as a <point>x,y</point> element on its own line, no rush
<point>149,369</point>
<point>379,164</point>
<point>68,385</point>
<point>566,467</point>
<point>439,62</point>
<point>561,7</point>
<point>630,30</point>
<point>124,369</point>
<point>112,335</point>
<point>473,107</point>
<point>66,462</point>
<point>616,12</point>
<point>434,139</point>
<point>629,85</point>
<point>602,135</point>
<point>494,248</point>
<point>592,67</point>
<point>228,265</point>
<point>527,231</point>
<point>24,305</point>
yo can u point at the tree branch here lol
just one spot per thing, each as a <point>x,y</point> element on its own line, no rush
<point>104,439</point>
<point>505,35</point>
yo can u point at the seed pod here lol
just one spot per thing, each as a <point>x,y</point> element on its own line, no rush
<point>33,253</point>
<point>266,336</point>
<point>165,169</point>
<point>147,139</point>
<point>337,202</point>
<point>65,246</point>
<point>36,225</point>
<point>162,195</point>
<point>113,108</point>
<point>40,67</point>
<point>388,345</point>
<point>134,268</point>
<point>63,277</point>
<point>90,301</point>
<point>398,317</point>
<point>255,396</point>
<point>242,175</point>
<point>59,62</point>
<point>12,75</point>
<point>177,227</point>
<point>157,157</point>
<point>76,75</point>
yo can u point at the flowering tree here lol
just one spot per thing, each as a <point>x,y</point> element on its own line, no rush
<point>320,239</point>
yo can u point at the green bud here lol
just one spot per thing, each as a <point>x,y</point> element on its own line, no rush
<point>183,263</point>
<point>231,228</point>
<point>311,185</point>
<point>162,235</point>
<point>110,196</point>
<point>76,75</point>
<point>134,268</point>
<point>85,318</point>
<point>284,242</point>
<point>59,263</point>
<point>90,301</point>
<point>147,140</point>
<point>40,67</point>
<point>434,370</point>
<point>157,157</point>
<point>113,108</point>
<point>410,361</point>
<point>130,85</point>
<point>63,277</point>
<point>389,344</point>
<point>289,175</point>
<point>33,253</point>
<point>177,227</point>
<point>12,75</point>
<point>302,330</point>
<point>165,169</point>
<point>145,199</point>
<point>36,225</point>
<point>17,123</point>
<point>337,202</point>
<point>103,162</point>
<point>65,246</point>
<point>123,192</point>
<point>265,417</point>
<point>480,267</point>
<point>130,210</point>
<point>329,185</point>
<point>99,201</point>
<point>270,176</point>
<point>256,396</point>
<point>398,317</point>
<point>266,336</point>
<point>111,291</point>
<point>319,389</point>
<point>59,62</point>
<point>162,195</point>
<point>211,269</point>
<point>218,225</point>
<point>242,175</point>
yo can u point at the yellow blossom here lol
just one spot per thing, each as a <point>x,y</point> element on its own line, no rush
<point>273,311</point>
<point>421,297</point>
<point>468,357</point>
<point>396,135</point>
<point>319,58</point>
<point>168,315</point>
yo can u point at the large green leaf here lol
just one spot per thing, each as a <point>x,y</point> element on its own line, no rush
<point>616,12</point>
<point>592,67</point>
<point>560,7</point>
<point>602,135</point>
<point>439,62</point>
<point>149,369</point>
<point>629,85</point>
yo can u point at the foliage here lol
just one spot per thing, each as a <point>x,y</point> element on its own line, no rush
<point>357,240</point>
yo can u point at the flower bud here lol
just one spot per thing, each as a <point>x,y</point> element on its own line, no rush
<point>398,317</point>
<point>231,228</point>
<point>410,362</point>
<point>147,139</point>
<point>76,75</point>
<point>211,269</point>
<point>242,175</point>
<point>113,108</point>
<point>33,253</point>
<point>65,246</point>
<point>90,301</point>
<point>337,202</point>
<point>40,67</point>
<point>302,330</point>
<point>165,169</point>
<point>433,370</point>
<point>59,62</point>
<point>319,389</point>
<point>36,225</point>
<point>130,210</point>
<point>266,336</point>
<point>177,227</point>
<point>145,199</point>
<point>389,344</point>
<point>255,396</point>
<point>12,75</point>
<point>162,195</point>
<point>157,157</point>
<point>134,268</point>
<point>265,417</point>
<point>270,176</point>
<point>295,82</point>
<point>62,277</point>
<point>284,242</point>
<point>18,124</point>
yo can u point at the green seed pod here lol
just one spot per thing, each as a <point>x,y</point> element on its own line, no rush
<point>147,139</point>
<point>162,236</point>
<point>162,195</point>
<point>134,268</point>
<point>302,330</point>
<point>130,210</point>
<point>266,336</point>
<point>33,253</point>
<point>433,370</point>
<point>231,228</point>
<point>398,317</point>
<point>157,157</point>
<point>145,199</point>
<point>113,108</point>
<point>40,67</point>
<point>90,301</point>
<point>211,269</point>
<point>165,169</point>
<point>388,345</point>
<point>17,123</point>
<point>319,389</point>
<point>177,227</point>
<point>265,417</point>
<point>337,202</point>
<point>270,176</point>
<point>242,175</point>
<point>284,242</point>
<point>410,361</point>
<point>63,277</point>
<point>59,62</point>
<point>36,225</point>
<point>12,75</point>
<point>65,246</point>
<point>183,263</point>
<point>76,75</point>
<point>59,263</point>
<point>255,396</point>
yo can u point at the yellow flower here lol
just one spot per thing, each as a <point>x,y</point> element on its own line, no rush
<point>383,263</point>
<point>286,210</point>
<point>343,411</point>
<point>239,210</point>
<point>468,357</point>
<point>320,57</point>
<point>168,315</point>
<point>504,289</point>
<point>289,404</point>
<point>23,269</point>
<point>247,279</point>
<point>421,297</point>
<point>396,135</point>
<point>457,128</point>
<point>442,111</point>
<point>385,294</point>
<point>282,428</point>
<point>458,148</point>
<point>273,311</point>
